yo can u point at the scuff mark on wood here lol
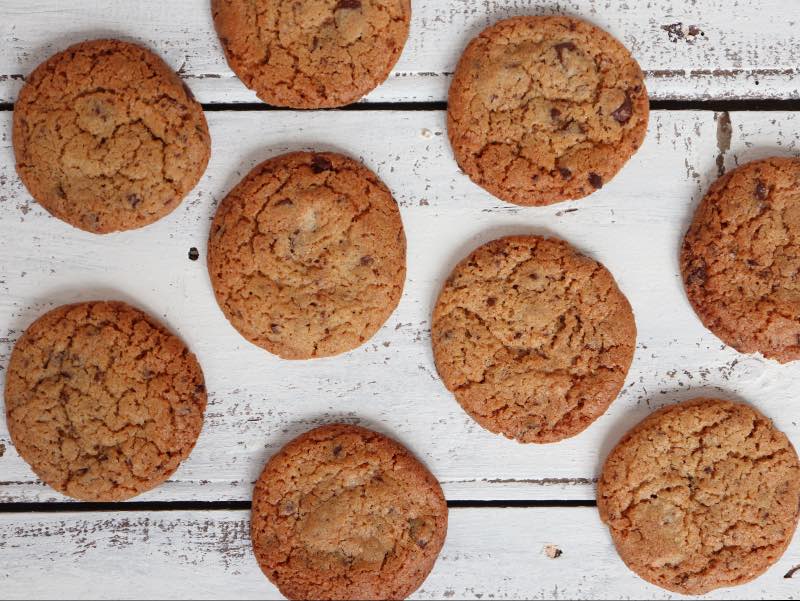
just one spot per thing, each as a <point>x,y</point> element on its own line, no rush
<point>724,135</point>
<point>544,481</point>
<point>20,483</point>
<point>720,73</point>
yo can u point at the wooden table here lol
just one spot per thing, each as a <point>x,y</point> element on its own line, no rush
<point>723,78</point>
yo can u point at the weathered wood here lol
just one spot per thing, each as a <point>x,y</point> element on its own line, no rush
<point>689,50</point>
<point>490,553</point>
<point>258,402</point>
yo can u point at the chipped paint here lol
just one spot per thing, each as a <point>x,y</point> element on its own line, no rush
<point>679,32</point>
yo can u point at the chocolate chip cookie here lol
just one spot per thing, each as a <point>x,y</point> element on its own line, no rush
<point>345,513</point>
<point>741,259</point>
<point>102,401</point>
<point>533,338</point>
<point>307,255</point>
<point>545,109</point>
<point>107,138</point>
<point>315,53</point>
<point>701,495</point>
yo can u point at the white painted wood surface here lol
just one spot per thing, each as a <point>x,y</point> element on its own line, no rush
<point>689,50</point>
<point>696,50</point>
<point>490,553</point>
<point>258,402</point>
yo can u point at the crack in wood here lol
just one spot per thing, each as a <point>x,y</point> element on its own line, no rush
<point>724,135</point>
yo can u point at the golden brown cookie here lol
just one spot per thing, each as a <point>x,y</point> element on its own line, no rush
<point>545,109</point>
<point>701,495</point>
<point>107,137</point>
<point>342,512</point>
<point>315,53</point>
<point>741,259</point>
<point>307,255</point>
<point>102,401</point>
<point>533,338</point>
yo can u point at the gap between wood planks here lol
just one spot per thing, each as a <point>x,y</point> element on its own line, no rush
<point>147,506</point>
<point>719,106</point>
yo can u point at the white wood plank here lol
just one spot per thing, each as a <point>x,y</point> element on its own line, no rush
<point>689,50</point>
<point>207,555</point>
<point>258,402</point>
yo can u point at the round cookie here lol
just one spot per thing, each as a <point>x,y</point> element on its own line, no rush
<point>545,109</point>
<point>701,495</point>
<point>315,53</point>
<point>533,338</point>
<point>342,512</point>
<point>102,401</point>
<point>107,137</point>
<point>741,258</point>
<point>307,255</point>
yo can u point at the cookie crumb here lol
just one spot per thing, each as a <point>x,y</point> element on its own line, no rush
<point>552,551</point>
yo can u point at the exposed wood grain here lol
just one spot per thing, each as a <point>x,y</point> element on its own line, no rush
<point>689,50</point>
<point>258,402</point>
<point>490,553</point>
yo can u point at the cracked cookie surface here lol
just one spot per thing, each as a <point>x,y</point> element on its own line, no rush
<point>545,109</point>
<point>107,138</point>
<point>102,401</point>
<point>315,53</point>
<point>741,259</point>
<point>533,338</point>
<point>342,512</point>
<point>307,255</point>
<point>701,495</point>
